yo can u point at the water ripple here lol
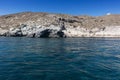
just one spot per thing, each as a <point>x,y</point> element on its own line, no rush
<point>59,59</point>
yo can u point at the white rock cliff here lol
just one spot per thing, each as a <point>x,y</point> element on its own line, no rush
<point>29,24</point>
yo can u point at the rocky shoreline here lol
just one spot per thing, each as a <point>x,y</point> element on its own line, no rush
<point>44,25</point>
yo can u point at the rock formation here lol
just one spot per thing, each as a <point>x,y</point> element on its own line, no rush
<point>30,24</point>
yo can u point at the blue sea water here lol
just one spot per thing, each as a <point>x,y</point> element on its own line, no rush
<point>59,58</point>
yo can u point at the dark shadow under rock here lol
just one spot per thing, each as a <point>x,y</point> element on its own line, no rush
<point>61,34</point>
<point>45,33</point>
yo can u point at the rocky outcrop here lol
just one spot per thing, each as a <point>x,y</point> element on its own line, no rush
<point>44,25</point>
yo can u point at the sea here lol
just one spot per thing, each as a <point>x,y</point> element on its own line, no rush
<point>59,58</point>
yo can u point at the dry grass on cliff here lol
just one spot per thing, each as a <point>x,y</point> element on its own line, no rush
<point>14,20</point>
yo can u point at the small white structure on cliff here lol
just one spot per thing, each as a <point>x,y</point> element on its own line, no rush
<point>108,14</point>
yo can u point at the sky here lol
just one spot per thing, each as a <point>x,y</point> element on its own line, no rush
<point>72,7</point>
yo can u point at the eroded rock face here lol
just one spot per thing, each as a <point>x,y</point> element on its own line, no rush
<point>44,25</point>
<point>36,31</point>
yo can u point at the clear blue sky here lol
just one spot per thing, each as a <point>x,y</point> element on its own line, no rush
<point>74,7</point>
